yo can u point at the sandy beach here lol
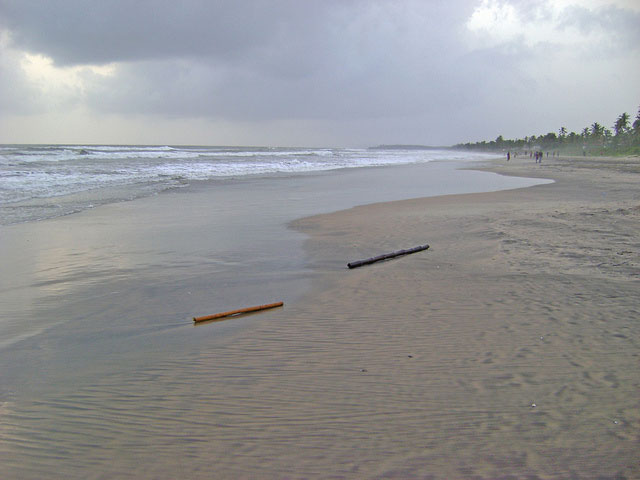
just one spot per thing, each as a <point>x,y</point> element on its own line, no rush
<point>104,374</point>
<point>509,349</point>
<point>171,161</point>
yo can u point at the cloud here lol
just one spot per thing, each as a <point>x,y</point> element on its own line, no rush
<point>412,70</point>
<point>78,32</point>
<point>613,31</point>
<point>353,59</point>
<point>562,24</point>
<point>12,89</point>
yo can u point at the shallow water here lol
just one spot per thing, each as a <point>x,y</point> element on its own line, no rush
<point>102,370</point>
<point>46,181</point>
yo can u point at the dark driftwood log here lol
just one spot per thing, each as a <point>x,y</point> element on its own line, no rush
<point>368,261</point>
<point>237,312</point>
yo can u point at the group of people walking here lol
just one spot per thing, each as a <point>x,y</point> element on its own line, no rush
<point>537,154</point>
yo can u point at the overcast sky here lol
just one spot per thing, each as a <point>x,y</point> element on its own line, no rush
<point>313,72</point>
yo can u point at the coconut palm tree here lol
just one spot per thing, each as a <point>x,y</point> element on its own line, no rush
<point>597,130</point>
<point>562,132</point>
<point>636,123</point>
<point>622,124</point>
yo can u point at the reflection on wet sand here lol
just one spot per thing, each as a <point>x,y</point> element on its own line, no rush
<point>509,348</point>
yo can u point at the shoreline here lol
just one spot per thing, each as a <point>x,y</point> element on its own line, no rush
<point>422,366</point>
<point>519,325</point>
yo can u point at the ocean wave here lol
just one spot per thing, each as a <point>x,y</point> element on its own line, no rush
<point>48,171</point>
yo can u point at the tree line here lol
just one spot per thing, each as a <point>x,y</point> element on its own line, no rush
<point>623,138</point>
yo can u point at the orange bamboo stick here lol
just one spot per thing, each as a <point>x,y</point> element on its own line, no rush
<point>236,312</point>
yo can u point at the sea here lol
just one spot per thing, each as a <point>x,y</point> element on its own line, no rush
<point>45,181</point>
<point>107,254</point>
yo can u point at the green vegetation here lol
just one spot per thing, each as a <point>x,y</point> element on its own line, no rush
<point>622,139</point>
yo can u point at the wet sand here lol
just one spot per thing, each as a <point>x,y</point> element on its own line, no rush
<point>509,349</point>
<point>104,375</point>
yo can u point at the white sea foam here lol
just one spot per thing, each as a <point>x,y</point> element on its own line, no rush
<point>33,173</point>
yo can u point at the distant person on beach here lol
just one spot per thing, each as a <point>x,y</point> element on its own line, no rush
<point>508,156</point>
<point>538,157</point>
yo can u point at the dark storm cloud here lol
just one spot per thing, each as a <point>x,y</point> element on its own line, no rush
<point>248,59</point>
<point>81,31</point>
<point>374,62</point>
<point>253,59</point>
<point>94,31</point>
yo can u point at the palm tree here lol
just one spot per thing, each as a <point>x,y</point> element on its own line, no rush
<point>608,135</point>
<point>622,124</point>
<point>636,129</point>
<point>636,122</point>
<point>597,130</point>
<point>597,134</point>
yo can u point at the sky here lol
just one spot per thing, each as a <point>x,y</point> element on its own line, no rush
<point>342,73</point>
